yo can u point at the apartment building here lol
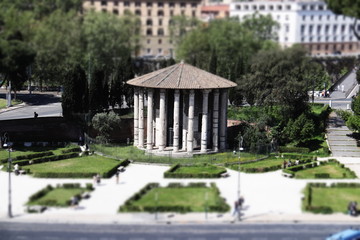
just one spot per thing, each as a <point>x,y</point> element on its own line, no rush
<point>155,16</point>
<point>305,22</point>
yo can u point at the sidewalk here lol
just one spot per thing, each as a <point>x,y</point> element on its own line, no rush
<point>269,198</point>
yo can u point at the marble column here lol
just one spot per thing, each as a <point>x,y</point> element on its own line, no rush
<point>190,135</point>
<point>141,118</point>
<point>215,125</point>
<point>150,110</point>
<point>223,118</point>
<point>185,122</point>
<point>204,120</point>
<point>176,120</point>
<point>136,117</point>
<point>162,120</point>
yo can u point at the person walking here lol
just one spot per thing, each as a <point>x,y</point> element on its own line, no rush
<point>117,176</point>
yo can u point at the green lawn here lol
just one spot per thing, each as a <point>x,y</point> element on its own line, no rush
<point>336,198</point>
<point>87,164</point>
<point>57,197</point>
<point>133,153</point>
<point>199,169</point>
<point>189,197</point>
<point>3,102</point>
<point>334,170</point>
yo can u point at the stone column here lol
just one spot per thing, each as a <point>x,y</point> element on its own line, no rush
<point>176,120</point>
<point>136,117</point>
<point>149,134</point>
<point>223,118</point>
<point>162,120</point>
<point>185,123</point>
<point>215,126</point>
<point>204,120</point>
<point>190,135</point>
<point>141,118</point>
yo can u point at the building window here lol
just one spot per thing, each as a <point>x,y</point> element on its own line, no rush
<point>288,7</point>
<point>160,32</point>
<point>327,39</point>
<point>116,3</point>
<point>327,29</point>
<point>149,12</point>
<point>193,13</point>
<point>312,7</point>
<point>149,4</point>
<point>328,17</point>
<point>303,17</point>
<point>279,7</point>
<point>318,47</point>
<point>171,4</point>
<point>171,12</point>
<point>137,4</point>
<point>303,7</point>
<point>148,50</point>
<point>287,29</point>
<point>149,32</point>
<point>126,3</point>
<point>302,29</point>
<point>326,47</point>
<point>254,7</point>
<point>310,39</point>
<point>182,4</point>
<point>302,39</point>
<point>160,13</point>
<point>343,27</point>
<point>238,7</point>
<point>334,29</point>
<point>271,7</point>
<point>336,17</point>
<point>320,16</point>
<point>148,41</point>
<point>160,41</point>
<point>246,7</point>
<point>103,3</point>
<point>286,39</point>
<point>160,22</point>
<point>193,5</point>
<point>160,4</point>
<point>319,39</point>
<point>318,29</point>
<point>159,51</point>
<point>350,46</point>
<point>342,47</point>
<point>310,29</point>
<point>116,12</point>
<point>138,12</point>
<point>92,2</point>
<point>321,7</point>
<point>311,17</point>
<point>149,22</point>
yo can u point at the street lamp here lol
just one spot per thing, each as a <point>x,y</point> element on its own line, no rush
<point>7,145</point>
<point>238,188</point>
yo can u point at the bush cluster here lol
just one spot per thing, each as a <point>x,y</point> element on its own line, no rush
<point>303,165</point>
<point>46,159</point>
<point>322,175</point>
<point>171,173</point>
<point>71,150</point>
<point>261,169</point>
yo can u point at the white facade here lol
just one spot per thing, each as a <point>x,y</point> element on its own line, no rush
<point>309,23</point>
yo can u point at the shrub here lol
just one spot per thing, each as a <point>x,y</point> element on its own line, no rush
<point>319,209</point>
<point>71,185</point>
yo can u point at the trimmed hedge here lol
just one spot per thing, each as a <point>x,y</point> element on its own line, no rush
<point>283,149</point>
<point>322,175</point>
<point>29,156</point>
<point>261,169</point>
<point>80,174</point>
<point>46,159</point>
<point>71,150</point>
<point>171,173</point>
<point>221,205</point>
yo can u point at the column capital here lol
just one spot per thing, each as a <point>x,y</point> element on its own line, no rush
<point>206,91</point>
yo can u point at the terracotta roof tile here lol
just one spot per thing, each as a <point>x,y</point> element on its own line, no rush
<point>181,76</point>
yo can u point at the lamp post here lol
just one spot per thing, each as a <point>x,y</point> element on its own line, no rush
<point>238,187</point>
<point>7,145</point>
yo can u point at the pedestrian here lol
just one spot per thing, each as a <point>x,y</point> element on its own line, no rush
<point>36,115</point>
<point>98,179</point>
<point>94,179</point>
<point>236,208</point>
<point>241,201</point>
<point>117,176</point>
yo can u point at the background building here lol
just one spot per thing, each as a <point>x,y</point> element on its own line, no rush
<point>155,17</point>
<point>309,23</point>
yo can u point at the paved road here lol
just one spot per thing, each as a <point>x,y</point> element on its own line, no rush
<point>45,104</point>
<point>21,231</point>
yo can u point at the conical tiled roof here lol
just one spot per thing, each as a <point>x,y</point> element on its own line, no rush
<point>181,76</point>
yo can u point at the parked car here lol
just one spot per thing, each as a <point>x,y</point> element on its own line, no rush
<point>348,234</point>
